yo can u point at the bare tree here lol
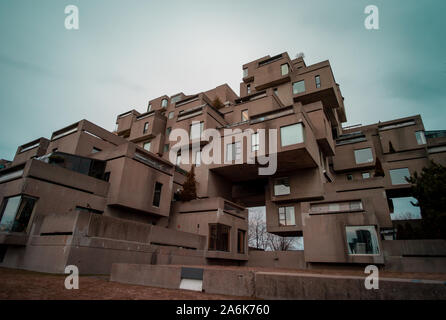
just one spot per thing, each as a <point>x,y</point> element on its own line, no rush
<point>257,234</point>
<point>278,243</point>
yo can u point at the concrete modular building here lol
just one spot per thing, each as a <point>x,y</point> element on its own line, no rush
<point>91,197</point>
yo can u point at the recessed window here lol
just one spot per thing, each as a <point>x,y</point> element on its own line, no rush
<point>421,138</point>
<point>281,186</point>
<point>166,147</point>
<point>168,130</point>
<point>149,107</point>
<point>219,237</point>
<point>286,216</point>
<point>248,89</point>
<point>157,194</point>
<point>245,72</point>
<point>146,127</point>
<point>15,213</point>
<point>276,92</point>
<point>95,150</point>
<point>233,151</point>
<point>366,175</point>
<point>147,146</point>
<point>245,115</point>
<point>241,234</point>
<point>317,79</point>
<point>292,134</point>
<point>363,155</point>
<point>403,208</point>
<point>398,176</point>
<point>284,68</point>
<point>196,129</point>
<point>164,103</point>
<point>299,87</point>
<point>171,115</point>
<point>255,142</point>
<point>349,177</point>
<point>362,240</point>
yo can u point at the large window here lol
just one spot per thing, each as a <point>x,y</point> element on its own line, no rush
<point>292,134</point>
<point>421,138</point>
<point>362,240</point>
<point>284,68</point>
<point>15,213</point>
<point>286,216</point>
<point>298,87</point>
<point>255,142</point>
<point>164,103</point>
<point>398,176</point>
<point>281,186</point>
<point>196,129</point>
<point>241,241</point>
<point>233,151</point>
<point>403,208</point>
<point>219,237</point>
<point>157,194</point>
<point>363,155</point>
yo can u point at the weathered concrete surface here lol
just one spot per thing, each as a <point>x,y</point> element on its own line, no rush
<point>277,259</point>
<point>148,275</point>
<point>282,285</point>
<point>229,282</point>
<point>314,287</point>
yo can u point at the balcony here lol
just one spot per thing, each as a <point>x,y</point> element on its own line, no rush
<point>30,150</point>
<point>124,122</point>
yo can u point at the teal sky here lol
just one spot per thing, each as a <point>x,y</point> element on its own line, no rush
<point>127,52</point>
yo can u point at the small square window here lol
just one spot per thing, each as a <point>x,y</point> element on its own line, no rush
<point>349,177</point>
<point>292,134</point>
<point>298,87</point>
<point>363,155</point>
<point>281,187</point>
<point>362,240</point>
<point>366,175</point>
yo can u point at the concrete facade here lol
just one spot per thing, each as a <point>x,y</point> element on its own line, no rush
<point>91,197</point>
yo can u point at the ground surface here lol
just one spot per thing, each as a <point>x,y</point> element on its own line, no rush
<point>19,284</point>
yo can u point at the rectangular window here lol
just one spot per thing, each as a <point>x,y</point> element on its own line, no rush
<point>362,240</point>
<point>147,146</point>
<point>95,150</point>
<point>245,72</point>
<point>299,87</point>
<point>363,155</point>
<point>398,176</point>
<point>292,134</point>
<point>335,207</point>
<point>198,158</point>
<point>149,108</point>
<point>178,160</point>
<point>168,130</point>
<point>275,92</point>
<point>241,241</point>
<point>248,89</point>
<point>366,175</point>
<point>175,99</point>
<point>233,151</point>
<point>286,216</point>
<point>403,208</point>
<point>245,115</point>
<point>255,142</point>
<point>164,103</point>
<point>146,127</point>
<point>196,129</point>
<point>15,213</point>
<point>317,79</point>
<point>349,177</point>
<point>284,68</point>
<point>171,115</point>
<point>157,194</point>
<point>421,138</point>
<point>166,147</point>
<point>219,237</point>
<point>281,186</point>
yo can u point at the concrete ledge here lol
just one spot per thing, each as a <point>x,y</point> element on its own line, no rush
<point>229,282</point>
<point>313,287</point>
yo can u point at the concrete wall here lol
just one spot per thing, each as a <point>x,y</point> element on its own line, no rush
<point>277,259</point>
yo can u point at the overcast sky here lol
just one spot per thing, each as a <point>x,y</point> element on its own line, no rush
<point>127,52</point>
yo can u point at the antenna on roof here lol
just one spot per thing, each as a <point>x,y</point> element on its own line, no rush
<point>300,55</point>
